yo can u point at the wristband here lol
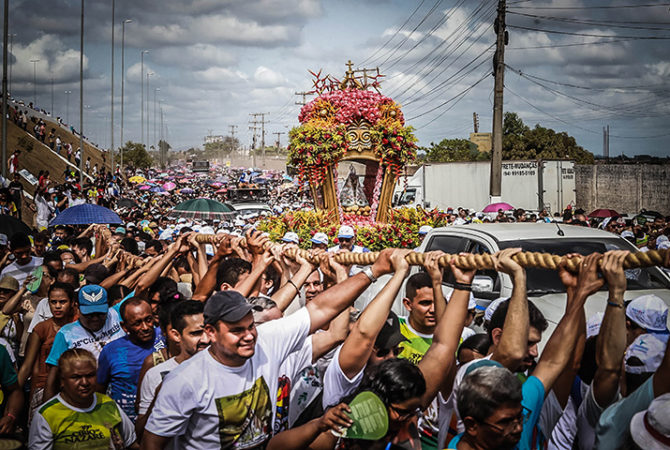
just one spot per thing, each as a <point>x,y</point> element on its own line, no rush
<point>368,272</point>
<point>12,416</point>
<point>614,304</point>
<point>463,287</point>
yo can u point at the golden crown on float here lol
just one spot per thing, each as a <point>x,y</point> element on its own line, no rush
<point>351,146</point>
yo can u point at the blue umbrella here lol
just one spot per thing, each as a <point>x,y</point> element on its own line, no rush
<point>86,214</point>
<point>157,189</point>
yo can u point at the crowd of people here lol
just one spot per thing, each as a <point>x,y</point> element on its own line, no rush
<point>146,336</point>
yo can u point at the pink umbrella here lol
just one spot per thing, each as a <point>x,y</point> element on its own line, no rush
<point>221,191</point>
<point>144,187</point>
<point>216,184</point>
<point>169,186</point>
<point>494,207</point>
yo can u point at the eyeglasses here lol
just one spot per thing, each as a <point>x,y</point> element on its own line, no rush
<point>404,414</point>
<point>382,352</point>
<point>507,425</point>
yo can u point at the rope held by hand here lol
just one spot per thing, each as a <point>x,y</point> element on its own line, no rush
<point>474,261</point>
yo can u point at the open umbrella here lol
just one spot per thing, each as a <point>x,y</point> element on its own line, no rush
<point>144,187</point>
<point>126,203</point>
<point>221,191</point>
<point>201,208</point>
<point>156,189</point>
<point>187,191</point>
<point>494,207</point>
<point>169,186</point>
<point>10,225</point>
<point>137,179</point>
<point>86,214</point>
<point>602,213</point>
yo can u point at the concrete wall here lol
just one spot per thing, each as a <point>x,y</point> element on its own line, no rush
<point>625,188</point>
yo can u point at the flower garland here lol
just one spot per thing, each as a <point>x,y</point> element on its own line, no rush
<point>395,146</point>
<point>313,148</point>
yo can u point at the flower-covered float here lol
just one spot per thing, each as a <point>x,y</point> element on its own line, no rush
<point>351,147</point>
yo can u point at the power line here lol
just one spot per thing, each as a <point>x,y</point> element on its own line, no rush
<point>568,33</point>
<point>590,22</point>
<point>575,44</point>
<point>652,5</point>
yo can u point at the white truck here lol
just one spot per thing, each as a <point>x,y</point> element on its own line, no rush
<point>531,185</point>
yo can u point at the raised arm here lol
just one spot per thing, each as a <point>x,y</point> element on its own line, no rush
<point>439,359</point>
<point>511,349</point>
<point>285,294</point>
<point>611,343</point>
<point>359,344</point>
<point>207,284</point>
<point>145,282</point>
<point>436,273</point>
<point>561,344</point>
<point>13,305</point>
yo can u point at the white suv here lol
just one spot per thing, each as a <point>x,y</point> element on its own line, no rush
<point>544,286</point>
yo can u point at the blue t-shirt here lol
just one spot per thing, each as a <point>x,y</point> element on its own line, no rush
<point>532,393</point>
<point>119,368</point>
<point>74,335</point>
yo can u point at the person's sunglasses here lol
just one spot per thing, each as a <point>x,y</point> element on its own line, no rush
<point>404,414</point>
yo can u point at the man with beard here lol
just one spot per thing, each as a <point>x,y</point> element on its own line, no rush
<point>188,331</point>
<point>121,360</point>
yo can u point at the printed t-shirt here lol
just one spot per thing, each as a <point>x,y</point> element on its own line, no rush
<point>152,379</point>
<point>61,426</point>
<point>119,367</point>
<point>336,385</point>
<point>74,335</point>
<point>208,405</point>
<point>532,400</point>
<point>414,349</point>
<point>613,425</point>
<point>8,375</point>
<point>20,273</point>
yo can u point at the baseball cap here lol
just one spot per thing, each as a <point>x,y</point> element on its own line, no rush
<point>290,236</point>
<point>484,362</point>
<point>345,232</point>
<point>390,336</point>
<point>593,325</point>
<point>472,304</point>
<point>96,273</point>
<point>120,230</point>
<point>92,299</point>
<point>649,349</point>
<point>228,306</point>
<point>425,229</point>
<point>649,312</point>
<point>10,283</point>
<point>627,234</point>
<point>650,429</point>
<point>488,312</point>
<point>320,238</point>
<point>3,239</point>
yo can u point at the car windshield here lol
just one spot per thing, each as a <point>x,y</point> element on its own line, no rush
<point>543,281</point>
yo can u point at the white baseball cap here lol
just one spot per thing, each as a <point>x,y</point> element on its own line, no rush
<point>425,229</point>
<point>290,236</point>
<point>472,304</point>
<point>627,234</point>
<point>649,312</point>
<point>655,418</point>
<point>488,312</point>
<point>593,325</point>
<point>345,232</point>
<point>648,348</point>
<point>3,239</point>
<point>320,238</point>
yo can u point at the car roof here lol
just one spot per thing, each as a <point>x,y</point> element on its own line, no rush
<point>249,205</point>
<point>515,231</point>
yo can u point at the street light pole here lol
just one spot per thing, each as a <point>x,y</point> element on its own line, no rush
<point>81,99</point>
<point>142,101</point>
<point>35,61</point>
<point>123,81</point>
<point>149,74</point>
<point>5,96</point>
<point>11,49</point>
<point>111,126</point>
<point>155,90</point>
<point>67,107</point>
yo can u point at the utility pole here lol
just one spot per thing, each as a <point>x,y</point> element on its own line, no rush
<point>5,96</point>
<point>262,122</point>
<point>123,83</point>
<point>475,120</point>
<point>149,74</point>
<point>81,100</point>
<point>278,134</point>
<point>232,136</point>
<point>142,100</point>
<point>304,98</point>
<point>162,145</point>
<point>34,61</point>
<point>499,74</point>
<point>52,95</point>
<point>253,143</point>
<point>111,126</point>
<point>11,52</point>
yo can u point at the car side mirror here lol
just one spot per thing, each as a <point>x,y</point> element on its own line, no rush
<point>482,283</point>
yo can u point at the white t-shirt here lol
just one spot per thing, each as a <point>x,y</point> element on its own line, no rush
<point>300,382</point>
<point>563,435</point>
<point>20,273</point>
<point>208,405</point>
<point>42,313</point>
<point>152,379</point>
<point>336,384</point>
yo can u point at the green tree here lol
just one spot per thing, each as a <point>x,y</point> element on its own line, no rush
<point>135,155</point>
<point>522,142</point>
<point>222,148</point>
<point>450,150</point>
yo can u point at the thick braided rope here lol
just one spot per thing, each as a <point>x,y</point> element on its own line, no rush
<point>473,261</point>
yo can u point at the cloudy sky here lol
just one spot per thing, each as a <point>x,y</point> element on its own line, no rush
<point>575,66</point>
